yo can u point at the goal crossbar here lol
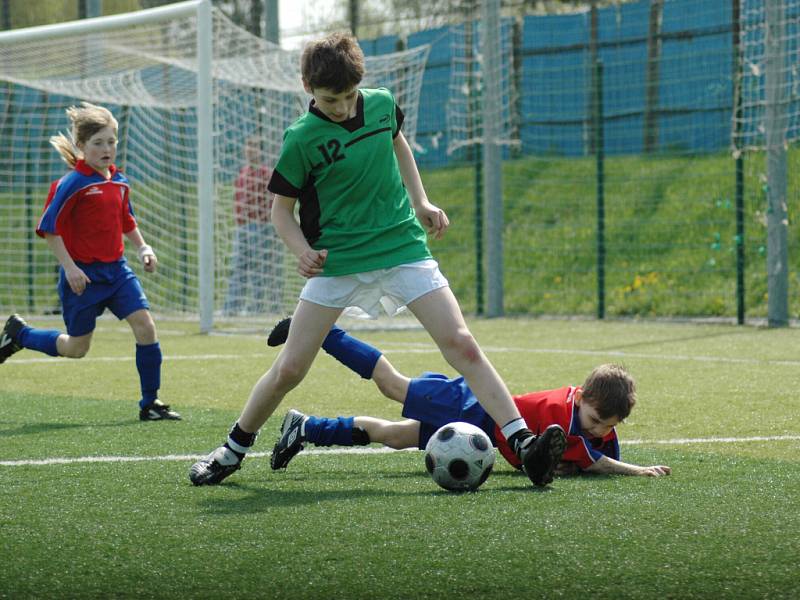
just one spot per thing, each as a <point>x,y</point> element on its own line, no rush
<point>99,24</point>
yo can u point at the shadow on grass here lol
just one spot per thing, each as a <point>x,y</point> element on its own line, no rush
<point>261,498</point>
<point>38,428</point>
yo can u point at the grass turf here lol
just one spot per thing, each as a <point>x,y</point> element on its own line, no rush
<point>375,526</point>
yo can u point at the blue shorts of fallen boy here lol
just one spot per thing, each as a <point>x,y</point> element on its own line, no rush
<point>435,400</point>
<point>114,286</point>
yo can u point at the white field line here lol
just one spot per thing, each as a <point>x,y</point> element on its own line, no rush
<point>394,349</point>
<point>174,457</point>
<point>712,440</point>
<point>361,450</point>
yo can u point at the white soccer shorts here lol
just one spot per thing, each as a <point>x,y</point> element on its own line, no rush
<point>363,294</point>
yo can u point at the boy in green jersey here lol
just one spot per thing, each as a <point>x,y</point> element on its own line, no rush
<point>361,244</point>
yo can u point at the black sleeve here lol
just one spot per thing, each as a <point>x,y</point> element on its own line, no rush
<point>279,185</point>
<point>399,117</point>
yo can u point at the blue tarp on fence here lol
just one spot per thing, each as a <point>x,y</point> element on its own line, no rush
<point>694,99</point>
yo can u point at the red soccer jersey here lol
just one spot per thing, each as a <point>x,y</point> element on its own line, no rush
<point>90,213</point>
<point>251,199</point>
<point>541,409</point>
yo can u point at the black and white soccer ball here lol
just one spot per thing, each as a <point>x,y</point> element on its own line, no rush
<point>459,457</point>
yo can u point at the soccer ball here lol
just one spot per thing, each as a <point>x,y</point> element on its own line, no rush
<point>459,457</point>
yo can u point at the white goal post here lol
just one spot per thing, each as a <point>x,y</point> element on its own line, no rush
<point>188,88</point>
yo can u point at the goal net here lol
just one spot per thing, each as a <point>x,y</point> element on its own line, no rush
<point>469,96</point>
<point>189,89</point>
<point>769,94</point>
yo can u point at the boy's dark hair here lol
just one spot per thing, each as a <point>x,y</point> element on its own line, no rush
<point>611,391</point>
<point>335,62</point>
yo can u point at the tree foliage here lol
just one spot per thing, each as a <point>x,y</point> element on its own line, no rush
<point>25,13</point>
<point>401,17</point>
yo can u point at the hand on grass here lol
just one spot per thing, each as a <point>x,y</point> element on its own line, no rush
<point>655,471</point>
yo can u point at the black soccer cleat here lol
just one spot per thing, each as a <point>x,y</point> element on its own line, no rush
<point>291,440</point>
<point>541,454</point>
<point>8,338</point>
<point>279,333</point>
<point>158,411</point>
<point>215,467</point>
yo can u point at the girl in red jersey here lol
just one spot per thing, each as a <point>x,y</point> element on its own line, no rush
<point>588,413</point>
<point>87,213</point>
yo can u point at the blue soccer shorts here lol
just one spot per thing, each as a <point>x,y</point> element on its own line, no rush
<point>435,400</point>
<point>113,286</point>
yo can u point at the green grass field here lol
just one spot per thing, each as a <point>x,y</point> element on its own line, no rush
<point>669,231</point>
<point>118,518</point>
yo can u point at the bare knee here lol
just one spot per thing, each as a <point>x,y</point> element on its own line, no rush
<point>75,353</point>
<point>144,329</point>
<point>290,373</point>
<point>73,347</point>
<point>385,387</point>
<point>393,441</point>
<point>460,348</point>
<point>148,332</point>
<point>389,381</point>
<point>401,434</point>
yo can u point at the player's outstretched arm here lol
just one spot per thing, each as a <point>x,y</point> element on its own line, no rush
<point>609,466</point>
<point>655,471</point>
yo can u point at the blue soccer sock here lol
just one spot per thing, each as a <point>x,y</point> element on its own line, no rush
<point>354,354</point>
<point>148,363</point>
<point>41,340</point>
<point>325,431</point>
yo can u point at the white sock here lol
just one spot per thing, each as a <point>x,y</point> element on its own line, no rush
<point>513,427</point>
<point>225,456</point>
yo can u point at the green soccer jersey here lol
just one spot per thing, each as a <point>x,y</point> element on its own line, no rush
<point>352,198</point>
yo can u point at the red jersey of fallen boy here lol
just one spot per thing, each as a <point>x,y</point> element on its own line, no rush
<point>541,409</point>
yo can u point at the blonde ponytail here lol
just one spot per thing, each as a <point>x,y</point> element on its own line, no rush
<point>68,151</point>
